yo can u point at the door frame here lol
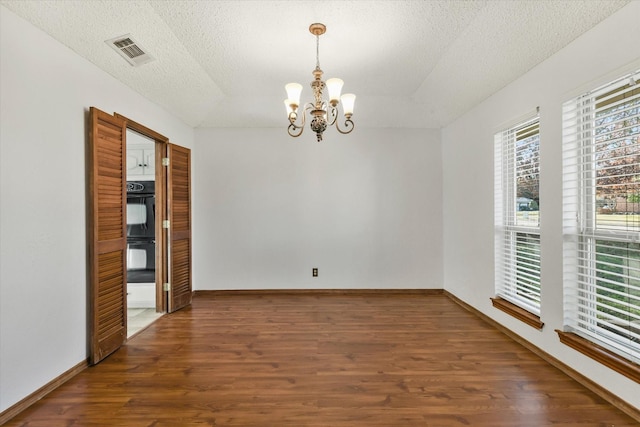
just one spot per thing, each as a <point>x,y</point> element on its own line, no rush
<point>161,143</point>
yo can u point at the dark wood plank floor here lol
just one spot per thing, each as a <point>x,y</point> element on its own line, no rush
<point>322,360</point>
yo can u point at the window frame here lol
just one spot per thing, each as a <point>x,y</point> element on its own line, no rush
<point>584,327</point>
<point>511,236</point>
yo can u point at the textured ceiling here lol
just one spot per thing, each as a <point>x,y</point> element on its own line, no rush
<point>416,64</point>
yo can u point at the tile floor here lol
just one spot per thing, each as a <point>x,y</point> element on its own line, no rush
<point>139,318</point>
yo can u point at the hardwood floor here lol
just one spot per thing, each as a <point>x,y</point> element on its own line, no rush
<point>322,360</point>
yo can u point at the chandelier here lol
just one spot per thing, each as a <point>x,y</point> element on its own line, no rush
<point>323,114</point>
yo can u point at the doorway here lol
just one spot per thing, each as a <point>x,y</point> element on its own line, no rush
<point>142,281</point>
<point>107,235</point>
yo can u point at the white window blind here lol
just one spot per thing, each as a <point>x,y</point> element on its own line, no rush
<point>601,184</point>
<point>517,215</point>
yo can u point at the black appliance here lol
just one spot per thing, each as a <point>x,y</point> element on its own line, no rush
<point>141,232</point>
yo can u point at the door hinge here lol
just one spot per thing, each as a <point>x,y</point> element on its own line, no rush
<point>166,287</point>
<point>165,223</point>
<point>165,161</point>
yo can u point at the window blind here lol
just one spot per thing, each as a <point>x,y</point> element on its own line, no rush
<point>517,215</point>
<point>601,216</point>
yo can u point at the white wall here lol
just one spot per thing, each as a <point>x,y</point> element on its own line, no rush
<point>45,93</point>
<point>597,56</point>
<point>364,208</point>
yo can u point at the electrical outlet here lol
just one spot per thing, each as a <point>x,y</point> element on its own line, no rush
<point>314,272</point>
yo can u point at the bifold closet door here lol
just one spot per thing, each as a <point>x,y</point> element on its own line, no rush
<point>179,214</point>
<point>107,234</point>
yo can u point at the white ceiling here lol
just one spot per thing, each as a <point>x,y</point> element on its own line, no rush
<point>415,64</point>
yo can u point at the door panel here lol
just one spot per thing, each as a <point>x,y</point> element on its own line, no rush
<point>179,214</point>
<point>107,234</point>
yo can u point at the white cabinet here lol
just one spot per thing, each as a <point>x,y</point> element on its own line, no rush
<point>141,163</point>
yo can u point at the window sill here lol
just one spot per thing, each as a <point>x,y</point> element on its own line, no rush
<point>600,354</point>
<point>517,312</point>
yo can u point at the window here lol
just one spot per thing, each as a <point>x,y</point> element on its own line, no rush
<point>601,219</point>
<point>517,216</point>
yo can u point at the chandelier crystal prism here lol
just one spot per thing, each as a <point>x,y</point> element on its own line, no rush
<point>323,113</point>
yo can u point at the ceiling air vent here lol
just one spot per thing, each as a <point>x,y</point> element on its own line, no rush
<point>130,50</point>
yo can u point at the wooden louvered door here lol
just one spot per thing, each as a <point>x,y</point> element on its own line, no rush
<point>107,234</point>
<point>179,214</point>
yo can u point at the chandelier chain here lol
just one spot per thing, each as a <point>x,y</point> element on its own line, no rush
<point>317,51</point>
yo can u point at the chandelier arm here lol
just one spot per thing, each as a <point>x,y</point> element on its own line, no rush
<point>292,119</point>
<point>293,127</point>
<point>332,115</point>
<point>349,126</point>
<point>291,130</point>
